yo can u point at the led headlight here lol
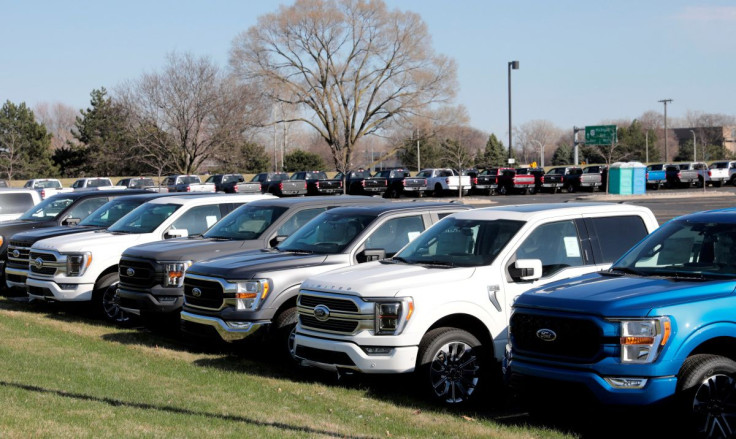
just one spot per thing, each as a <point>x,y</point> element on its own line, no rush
<point>391,316</point>
<point>77,263</point>
<point>642,340</point>
<point>250,294</point>
<point>174,273</point>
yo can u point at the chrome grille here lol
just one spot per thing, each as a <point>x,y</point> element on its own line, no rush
<point>47,261</point>
<point>345,314</point>
<point>23,250</point>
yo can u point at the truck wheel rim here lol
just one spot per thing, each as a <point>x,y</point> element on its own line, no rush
<point>291,342</point>
<point>714,406</point>
<point>454,372</point>
<point>110,306</point>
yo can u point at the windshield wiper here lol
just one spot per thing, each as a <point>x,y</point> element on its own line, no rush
<point>680,275</point>
<point>300,251</point>
<point>625,270</point>
<point>437,263</point>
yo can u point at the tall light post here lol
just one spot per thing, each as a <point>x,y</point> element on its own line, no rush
<point>515,66</point>
<point>646,141</point>
<point>695,148</point>
<point>666,155</point>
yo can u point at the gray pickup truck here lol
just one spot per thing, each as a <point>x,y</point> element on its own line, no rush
<point>279,184</point>
<point>151,274</point>
<point>263,298</point>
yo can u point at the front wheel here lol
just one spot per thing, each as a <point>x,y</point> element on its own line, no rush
<point>706,393</point>
<point>502,190</point>
<point>104,300</point>
<point>284,335</point>
<point>570,188</point>
<point>451,366</point>
<point>437,190</point>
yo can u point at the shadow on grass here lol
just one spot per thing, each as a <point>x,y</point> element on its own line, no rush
<point>171,409</point>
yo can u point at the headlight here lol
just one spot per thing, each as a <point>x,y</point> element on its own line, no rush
<point>251,294</point>
<point>76,264</point>
<point>174,273</point>
<point>2,239</point>
<point>642,340</point>
<point>391,317</point>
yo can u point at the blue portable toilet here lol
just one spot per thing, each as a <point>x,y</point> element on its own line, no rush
<point>627,178</point>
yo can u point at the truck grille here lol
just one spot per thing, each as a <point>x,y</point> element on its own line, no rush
<point>576,339</point>
<point>210,293</point>
<point>323,356</point>
<point>22,249</point>
<point>344,315</point>
<point>42,263</point>
<point>138,274</point>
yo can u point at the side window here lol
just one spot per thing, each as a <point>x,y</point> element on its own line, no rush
<point>198,219</point>
<point>86,207</point>
<point>615,235</point>
<point>556,244</point>
<point>297,220</point>
<point>395,234</point>
<point>77,184</point>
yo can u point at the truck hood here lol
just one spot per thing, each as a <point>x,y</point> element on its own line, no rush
<point>609,295</point>
<point>244,265</point>
<point>189,249</point>
<point>34,235</point>
<point>102,239</point>
<point>381,279</point>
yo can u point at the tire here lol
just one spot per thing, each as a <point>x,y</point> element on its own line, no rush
<point>502,190</point>
<point>465,192</point>
<point>717,183</point>
<point>284,333</point>
<point>733,180</point>
<point>554,190</point>
<point>532,190</point>
<point>453,352</point>
<point>103,300</point>
<point>570,188</point>
<point>437,190</point>
<point>705,392</point>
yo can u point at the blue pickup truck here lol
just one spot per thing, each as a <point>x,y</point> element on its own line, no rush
<point>656,176</point>
<point>656,329</point>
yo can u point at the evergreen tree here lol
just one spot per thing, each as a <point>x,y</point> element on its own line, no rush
<point>303,161</point>
<point>563,155</point>
<point>494,155</point>
<point>25,145</point>
<point>102,131</point>
<point>430,155</point>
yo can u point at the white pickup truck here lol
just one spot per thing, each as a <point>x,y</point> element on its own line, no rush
<point>46,187</point>
<point>719,173</point>
<point>441,306</point>
<point>445,181</point>
<point>84,267</point>
<point>93,183</point>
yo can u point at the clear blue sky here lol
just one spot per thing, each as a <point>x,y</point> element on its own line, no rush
<point>581,62</point>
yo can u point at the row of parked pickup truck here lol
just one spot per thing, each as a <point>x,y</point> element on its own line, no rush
<point>453,295</point>
<point>688,174</point>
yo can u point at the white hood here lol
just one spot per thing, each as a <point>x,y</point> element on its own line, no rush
<point>376,279</point>
<point>92,241</point>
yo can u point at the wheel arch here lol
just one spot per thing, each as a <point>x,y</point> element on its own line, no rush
<point>467,322</point>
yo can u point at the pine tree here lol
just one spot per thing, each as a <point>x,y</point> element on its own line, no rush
<point>494,155</point>
<point>25,145</point>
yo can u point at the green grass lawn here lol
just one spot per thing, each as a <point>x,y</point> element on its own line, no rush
<point>65,375</point>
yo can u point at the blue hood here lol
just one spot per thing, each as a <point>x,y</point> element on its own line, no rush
<point>613,295</point>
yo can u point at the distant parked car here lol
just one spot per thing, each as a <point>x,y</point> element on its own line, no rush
<point>14,202</point>
<point>225,182</point>
<point>136,183</point>
<point>92,183</point>
<point>46,187</point>
<point>4,183</point>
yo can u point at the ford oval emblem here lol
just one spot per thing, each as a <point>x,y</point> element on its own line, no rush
<point>16,253</point>
<point>38,263</point>
<point>546,335</point>
<point>130,272</point>
<point>196,292</point>
<point>321,313</point>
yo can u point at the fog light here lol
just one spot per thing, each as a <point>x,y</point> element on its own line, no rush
<point>68,286</point>
<point>240,325</point>
<point>626,382</point>
<point>378,350</point>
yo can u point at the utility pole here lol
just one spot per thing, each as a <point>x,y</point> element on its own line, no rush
<point>666,151</point>
<point>646,139</point>
<point>575,142</point>
<point>419,166</point>
<point>512,65</point>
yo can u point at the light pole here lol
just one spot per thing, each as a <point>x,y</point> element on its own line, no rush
<point>646,141</point>
<point>695,148</point>
<point>515,66</point>
<point>665,101</point>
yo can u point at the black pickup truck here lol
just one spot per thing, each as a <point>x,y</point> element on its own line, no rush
<point>318,183</point>
<point>147,286</point>
<point>360,182</point>
<point>279,184</point>
<point>226,182</point>
<point>537,173</point>
<point>684,174</point>
<point>571,179</point>
<point>401,182</point>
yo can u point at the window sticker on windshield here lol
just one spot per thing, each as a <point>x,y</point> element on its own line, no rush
<point>571,247</point>
<point>211,219</point>
<point>413,235</point>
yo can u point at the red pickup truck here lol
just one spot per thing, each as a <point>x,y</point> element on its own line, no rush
<point>510,181</point>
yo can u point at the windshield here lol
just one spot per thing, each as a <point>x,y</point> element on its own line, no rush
<point>719,165</point>
<point>110,212</point>
<point>47,209</point>
<point>684,249</point>
<point>47,184</point>
<point>328,233</point>
<point>246,222</point>
<point>144,219</point>
<point>99,183</point>
<point>460,242</point>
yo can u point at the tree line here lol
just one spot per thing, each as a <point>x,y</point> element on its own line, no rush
<point>354,74</point>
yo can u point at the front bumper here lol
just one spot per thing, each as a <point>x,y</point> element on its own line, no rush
<point>530,378</point>
<point>51,291</point>
<point>228,331</point>
<point>15,277</point>
<point>136,301</point>
<point>334,355</point>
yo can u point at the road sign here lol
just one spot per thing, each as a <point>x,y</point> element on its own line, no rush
<point>600,134</point>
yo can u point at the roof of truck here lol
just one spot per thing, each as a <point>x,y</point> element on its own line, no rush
<point>382,208</point>
<point>527,212</point>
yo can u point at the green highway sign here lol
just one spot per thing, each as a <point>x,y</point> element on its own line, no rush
<point>600,135</point>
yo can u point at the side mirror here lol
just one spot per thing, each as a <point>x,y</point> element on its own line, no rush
<point>527,269</point>
<point>70,221</point>
<point>374,254</point>
<point>176,233</point>
<point>277,240</point>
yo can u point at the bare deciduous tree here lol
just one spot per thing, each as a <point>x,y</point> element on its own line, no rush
<point>351,66</point>
<point>59,121</point>
<point>189,112</point>
<point>536,136</point>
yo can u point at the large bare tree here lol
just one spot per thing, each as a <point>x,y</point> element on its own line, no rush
<point>59,120</point>
<point>536,137</point>
<point>350,66</point>
<point>188,113</point>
